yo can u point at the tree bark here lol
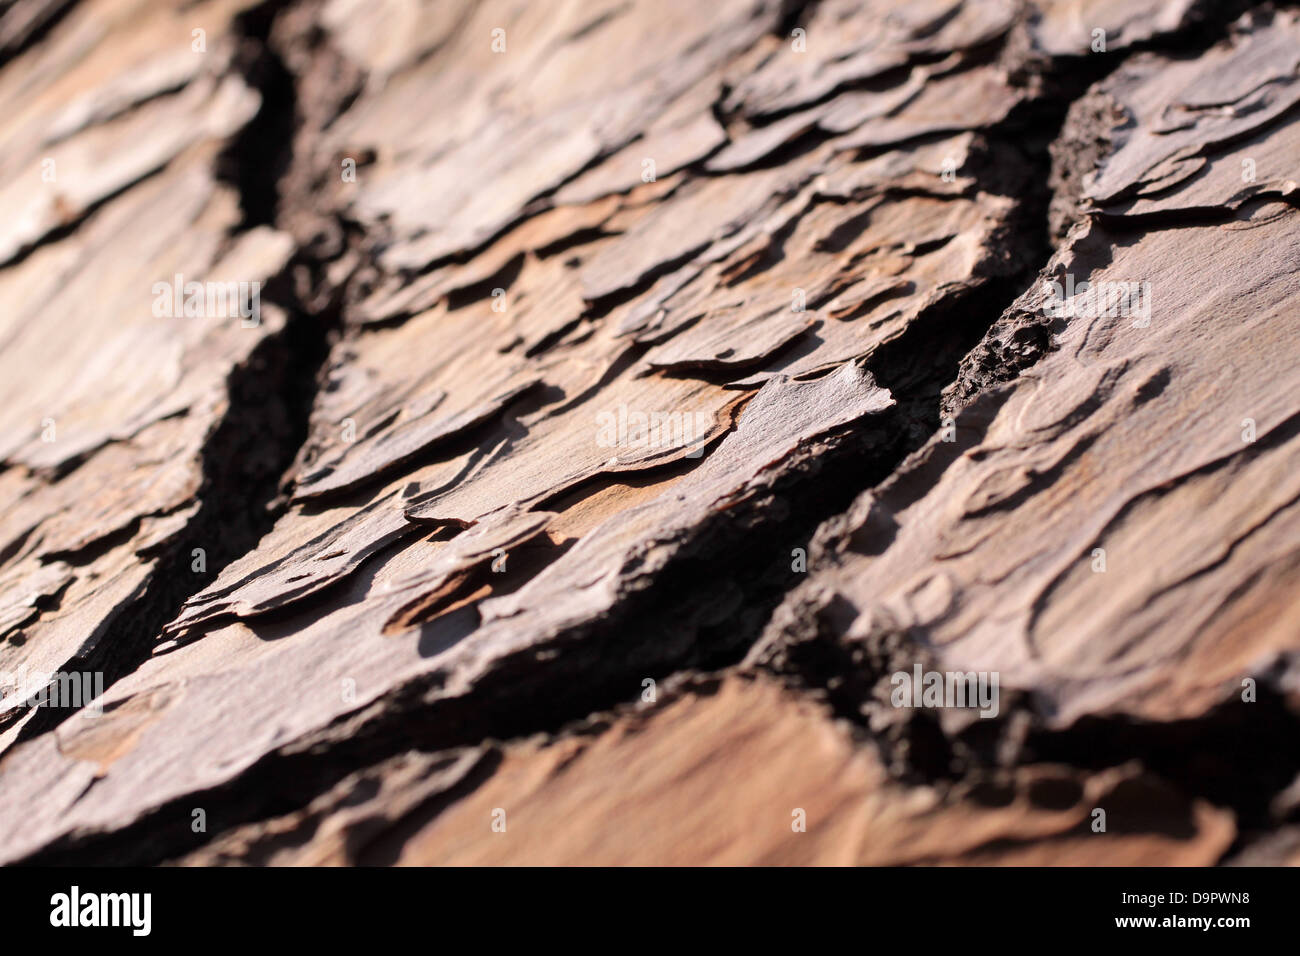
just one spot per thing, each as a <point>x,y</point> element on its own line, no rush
<point>565,433</point>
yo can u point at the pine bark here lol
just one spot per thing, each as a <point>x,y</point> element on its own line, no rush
<point>615,412</point>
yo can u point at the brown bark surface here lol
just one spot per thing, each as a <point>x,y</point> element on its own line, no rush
<point>638,396</point>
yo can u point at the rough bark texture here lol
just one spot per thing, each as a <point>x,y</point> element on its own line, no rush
<point>641,394</point>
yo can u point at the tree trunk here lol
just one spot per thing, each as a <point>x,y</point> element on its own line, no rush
<point>589,432</point>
